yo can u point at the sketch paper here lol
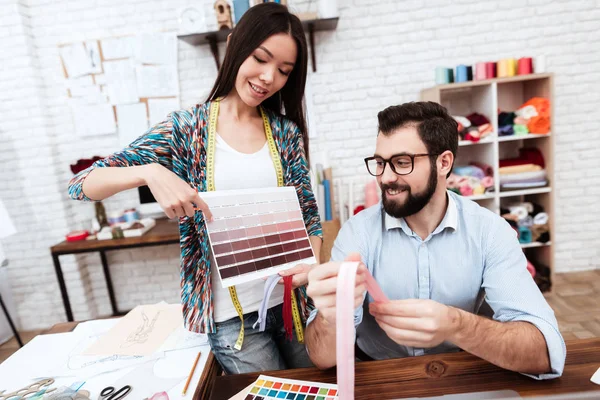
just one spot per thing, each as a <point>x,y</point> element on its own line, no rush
<point>116,48</point>
<point>156,48</point>
<point>95,119</point>
<point>133,122</point>
<point>157,81</point>
<point>76,60</point>
<point>93,50</point>
<point>6,226</point>
<point>121,82</point>
<point>141,332</point>
<point>159,109</point>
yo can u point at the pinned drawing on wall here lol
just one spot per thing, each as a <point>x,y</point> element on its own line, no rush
<point>223,11</point>
<point>106,79</point>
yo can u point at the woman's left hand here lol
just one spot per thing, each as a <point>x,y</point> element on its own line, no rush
<point>299,273</point>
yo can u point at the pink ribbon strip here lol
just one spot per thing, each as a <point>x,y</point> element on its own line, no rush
<point>345,325</point>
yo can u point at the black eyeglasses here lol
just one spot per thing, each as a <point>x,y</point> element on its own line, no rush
<point>401,164</point>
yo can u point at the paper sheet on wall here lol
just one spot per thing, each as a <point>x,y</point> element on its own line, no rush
<point>115,48</point>
<point>158,109</point>
<point>156,48</point>
<point>95,119</point>
<point>121,82</point>
<point>157,81</point>
<point>76,60</point>
<point>93,50</point>
<point>6,226</point>
<point>141,332</point>
<point>133,122</point>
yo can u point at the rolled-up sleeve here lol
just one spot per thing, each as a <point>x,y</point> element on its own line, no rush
<point>514,296</point>
<point>152,147</point>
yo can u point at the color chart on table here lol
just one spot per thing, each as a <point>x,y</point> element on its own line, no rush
<point>256,233</point>
<point>268,388</point>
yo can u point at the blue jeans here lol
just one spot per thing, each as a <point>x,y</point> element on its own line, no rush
<point>261,351</point>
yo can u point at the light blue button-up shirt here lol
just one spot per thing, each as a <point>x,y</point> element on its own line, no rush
<point>472,253</point>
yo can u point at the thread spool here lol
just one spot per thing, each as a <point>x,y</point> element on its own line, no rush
<point>480,71</point>
<point>462,73</point>
<point>524,235</point>
<point>506,67</point>
<point>131,215</point>
<point>444,75</point>
<point>525,66</point>
<point>490,70</point>
<point>115,218</point>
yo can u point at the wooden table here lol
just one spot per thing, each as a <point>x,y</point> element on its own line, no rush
<point>440,374</point>
<point>211,370</point>
<point>164,232</point>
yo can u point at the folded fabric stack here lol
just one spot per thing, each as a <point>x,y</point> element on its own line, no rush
<point>473,127</point>
<point>533,116</point>
<point>474,179</point>
<point>529,221</point>
<point>525,171</point>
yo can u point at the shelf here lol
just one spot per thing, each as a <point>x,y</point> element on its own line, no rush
<point>212,38</point>
<point>469,84</point>
<point>486,140</point>
<point>525,192</point>
<point>522,137</point>
<point>485,196</point>
<point>535,244</point>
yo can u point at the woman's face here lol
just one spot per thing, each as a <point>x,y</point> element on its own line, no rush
<point>267,69</point>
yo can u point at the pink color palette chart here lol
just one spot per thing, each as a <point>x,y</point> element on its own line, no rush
<point>271,388</point>
<point>256,233</point>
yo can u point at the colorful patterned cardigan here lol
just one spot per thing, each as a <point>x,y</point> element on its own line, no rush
<point>179,144</point>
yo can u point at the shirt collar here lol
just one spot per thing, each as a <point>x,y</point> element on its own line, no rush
<point>450,220</point>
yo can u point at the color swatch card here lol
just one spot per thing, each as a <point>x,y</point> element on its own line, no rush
<point>256,233</point>
<point>268,388</point>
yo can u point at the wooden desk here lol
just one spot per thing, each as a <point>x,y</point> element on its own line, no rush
<point>211,370</point>
<point>440,374</point>
<point>164,232</point>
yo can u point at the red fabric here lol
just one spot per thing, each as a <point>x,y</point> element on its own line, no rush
<point>288,323</point>
<point>526,156</point>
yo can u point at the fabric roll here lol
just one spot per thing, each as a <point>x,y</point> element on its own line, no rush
<point>525,66</point>
<point>523,177</point>
<point>487,182</point>
<point>519,211</point>
<point>469,170</point>
<point>520,130</point>
<point>516,169</point>
<point>541,219</point>
<point>486,168</point>
<point>527,221</point>
<point>506,130</point>
<point>540,233</point>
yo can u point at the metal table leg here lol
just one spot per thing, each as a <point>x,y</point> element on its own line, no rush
<point>109,286</point>
<point>10,322</point>
<point>63,287</point>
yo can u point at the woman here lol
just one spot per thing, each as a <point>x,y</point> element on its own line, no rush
<point>237,139</point>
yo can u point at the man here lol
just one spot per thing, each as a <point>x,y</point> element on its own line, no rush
<point>435,255</point>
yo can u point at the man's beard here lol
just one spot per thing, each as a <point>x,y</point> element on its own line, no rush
<point>413,203</point>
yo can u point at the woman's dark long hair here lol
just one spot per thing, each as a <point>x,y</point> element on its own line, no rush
<point>258,24</point>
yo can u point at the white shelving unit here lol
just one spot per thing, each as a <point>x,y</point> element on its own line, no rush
<point>506,94</point>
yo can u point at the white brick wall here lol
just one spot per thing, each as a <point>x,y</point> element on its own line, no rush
<point>382,53</point>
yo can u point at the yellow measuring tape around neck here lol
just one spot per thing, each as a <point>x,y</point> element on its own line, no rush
<point>210,187</point>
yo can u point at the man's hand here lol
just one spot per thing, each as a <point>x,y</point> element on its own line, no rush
<point>415,322</point>
<point>322,286</point>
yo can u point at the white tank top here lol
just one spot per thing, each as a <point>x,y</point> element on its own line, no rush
<point>235,170</point>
